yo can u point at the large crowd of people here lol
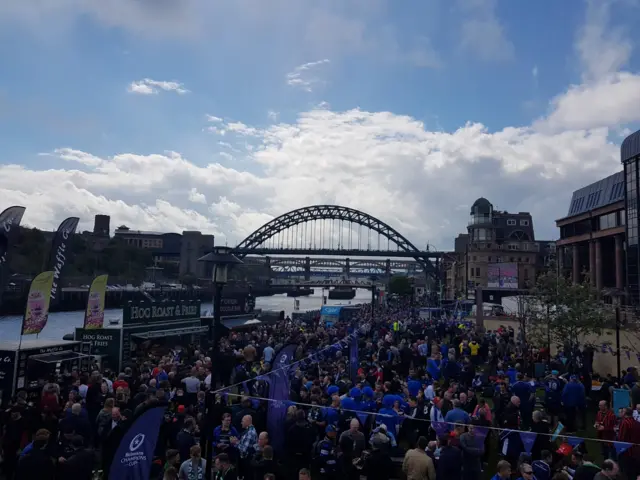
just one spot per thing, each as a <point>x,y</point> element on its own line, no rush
<point>427,399</point>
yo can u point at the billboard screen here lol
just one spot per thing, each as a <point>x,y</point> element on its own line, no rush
<point>502,275</point>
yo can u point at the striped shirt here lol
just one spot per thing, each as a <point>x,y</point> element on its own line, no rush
<point>608,420</point>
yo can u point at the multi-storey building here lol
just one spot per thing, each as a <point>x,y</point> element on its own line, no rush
<point>592,235</point>
<point>499,253</point>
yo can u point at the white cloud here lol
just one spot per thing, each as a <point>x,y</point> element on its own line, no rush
<point>415,178</point>
<point>153,87</point>
<point>482,33</point>
<point>304,76</point>
<point>197,197</point>
<point>606,96</point>
<point>534,71</point>
<point>273,115</point>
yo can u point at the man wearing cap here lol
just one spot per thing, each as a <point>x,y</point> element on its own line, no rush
<point>324,454</point>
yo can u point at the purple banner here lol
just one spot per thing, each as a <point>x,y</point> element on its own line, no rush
<point>134,456</point>
<point>440,428</point>
<point>528,439</point>
<point>279,386</point>
<point>353,357</point>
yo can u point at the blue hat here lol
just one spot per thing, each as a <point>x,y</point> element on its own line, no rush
<point>308,385</point>
<point>554,372</point>
<point>333,389</point>
<point>367,392</point>
<point>330,428</point>
<point>573,377</point>
<point>355,393</point>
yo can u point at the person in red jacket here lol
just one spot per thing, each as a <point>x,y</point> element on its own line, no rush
<point>605,427</point>
<point>630,432</point>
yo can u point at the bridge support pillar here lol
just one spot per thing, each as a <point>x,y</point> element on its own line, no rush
<point>267,263</point>
<point>307,268</point>
<point>387,267</point>
<point>347,267</point>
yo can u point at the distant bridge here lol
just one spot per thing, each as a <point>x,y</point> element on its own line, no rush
<point>295,264</point>
<point>331,275</point>
<point>333,230</point>
<point>335,283</point>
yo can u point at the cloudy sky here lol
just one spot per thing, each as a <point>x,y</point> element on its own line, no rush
<point>215,115</point>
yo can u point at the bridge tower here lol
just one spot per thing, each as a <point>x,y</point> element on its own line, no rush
<point>307,268</point>
<point>347,267</point>
<point>267,263</point>
<point>387,268</point>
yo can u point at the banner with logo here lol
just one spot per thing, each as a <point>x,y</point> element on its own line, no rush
<point>279,386</point>
<point>37,310</point>
<point>94,314</point>
<point>59,255</point>
<point>9,222</point>
<point>134,456</point>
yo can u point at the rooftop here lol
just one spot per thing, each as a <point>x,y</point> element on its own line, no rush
<point>597,195</point>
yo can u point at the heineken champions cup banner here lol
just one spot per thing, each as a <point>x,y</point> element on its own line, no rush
<point>134,456</point>
<point>9,222</point>
<point>59,255</point>
<point>37,309</point>
<point>94,314</point>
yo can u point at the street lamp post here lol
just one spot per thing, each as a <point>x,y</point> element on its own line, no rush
<point>373,279</point>
<point>617,294</point>
<point>222,259</point>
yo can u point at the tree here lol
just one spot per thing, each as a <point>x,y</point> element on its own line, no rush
<point>565,313</point>
<point>400,285</point>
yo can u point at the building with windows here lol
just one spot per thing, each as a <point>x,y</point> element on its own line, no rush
<point>592,235</point>
<point>168,249</point>
<point>630,157</point>
<point>499,253</point>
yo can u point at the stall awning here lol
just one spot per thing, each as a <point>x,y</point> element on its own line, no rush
<point>57,357</point>
<point>174,332</point>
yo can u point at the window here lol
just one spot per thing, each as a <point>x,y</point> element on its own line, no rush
<point>526,274</point>
<point>471,272</point>
<point>617,192</point>
<point>477,271</point>
<point>511,221</point>
<point>526,259</point>
<point>524,223</point>
<point>608,221</point>
<point>474,258</point>
<point>489,259</point>
<point>593,199</point>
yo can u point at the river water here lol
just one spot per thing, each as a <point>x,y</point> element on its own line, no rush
<point>61,323</point>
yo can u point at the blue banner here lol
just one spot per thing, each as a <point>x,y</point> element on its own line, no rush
<point>134,455</point>
<point>528,439</point>
<point>621,447</point>
<point>621,399</point>
<point>353,357</point>
<point>279,386</point>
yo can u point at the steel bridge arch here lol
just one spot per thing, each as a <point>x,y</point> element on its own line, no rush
<point>333,212</point>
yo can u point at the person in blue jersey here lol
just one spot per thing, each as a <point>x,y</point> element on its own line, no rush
<point>456,416</point>
<point>368,400</point>
<point>527,395</point>
<point>573,398</point>
<point>332,413</point>
<point>433,366</point>
<point>553,386</point>
<point>512,374</point>
<point>388,416</point>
